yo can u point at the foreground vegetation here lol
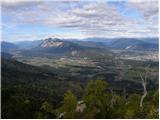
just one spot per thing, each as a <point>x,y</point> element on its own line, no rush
<point>101,103</point>
<point>97,102</point>
<point>34,92</point>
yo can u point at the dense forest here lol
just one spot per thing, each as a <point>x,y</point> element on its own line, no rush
<point>97,101</point>
<point>31,92</point>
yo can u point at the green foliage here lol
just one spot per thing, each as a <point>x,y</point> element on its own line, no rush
<point>46,111</point>
<point>96,99</point>
<point>18,107</point>
<point>100,103</point>
<point>151,106</point>
<point>69,105</point>
<point>132,106</point>
<point>117,107</point>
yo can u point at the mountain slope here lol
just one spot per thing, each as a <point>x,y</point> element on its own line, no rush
<point>133,44</point>
<point>57,45</point>
<point>8,47</point>
<point>58,48</point>
<point>6,55</point>
<point>28,44</point>
<point>23,83</point>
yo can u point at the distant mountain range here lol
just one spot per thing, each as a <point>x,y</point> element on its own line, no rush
<point>154,40</point>
<point>133,44</point>
<point>53,47</point>
<point>28,44</point>
<point>59,46</point>
<point>8,47</point>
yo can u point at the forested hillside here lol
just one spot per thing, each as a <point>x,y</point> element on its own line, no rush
<point>34,92</point>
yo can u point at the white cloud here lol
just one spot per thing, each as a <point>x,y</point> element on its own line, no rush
<point>96,18</point>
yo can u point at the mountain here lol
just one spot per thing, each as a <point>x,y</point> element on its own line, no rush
<point>143,44</point>
<point>133,44</point>
<point>52,43</point>
<point>12,64</point>
<point>22,82</point>
<point>91,42</point>
<point>91,47</point>
<point>6,55</point>
<point>53,47</point>
<point>58,46</point>
<point>8,47</point>
<point>28,44</point>
<point>105,41</point>
<point>154,40</point>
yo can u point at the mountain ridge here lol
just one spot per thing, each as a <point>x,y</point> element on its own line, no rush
<point>61,45</point>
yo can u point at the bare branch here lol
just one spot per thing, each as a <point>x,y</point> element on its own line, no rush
<point>144,83</point>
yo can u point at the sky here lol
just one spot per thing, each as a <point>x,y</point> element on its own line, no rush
<point>39,19</point>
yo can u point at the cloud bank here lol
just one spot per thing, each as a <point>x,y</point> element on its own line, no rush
<point>126,18</point>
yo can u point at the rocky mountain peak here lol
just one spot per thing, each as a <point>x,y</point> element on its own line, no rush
<point>50,42</point>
